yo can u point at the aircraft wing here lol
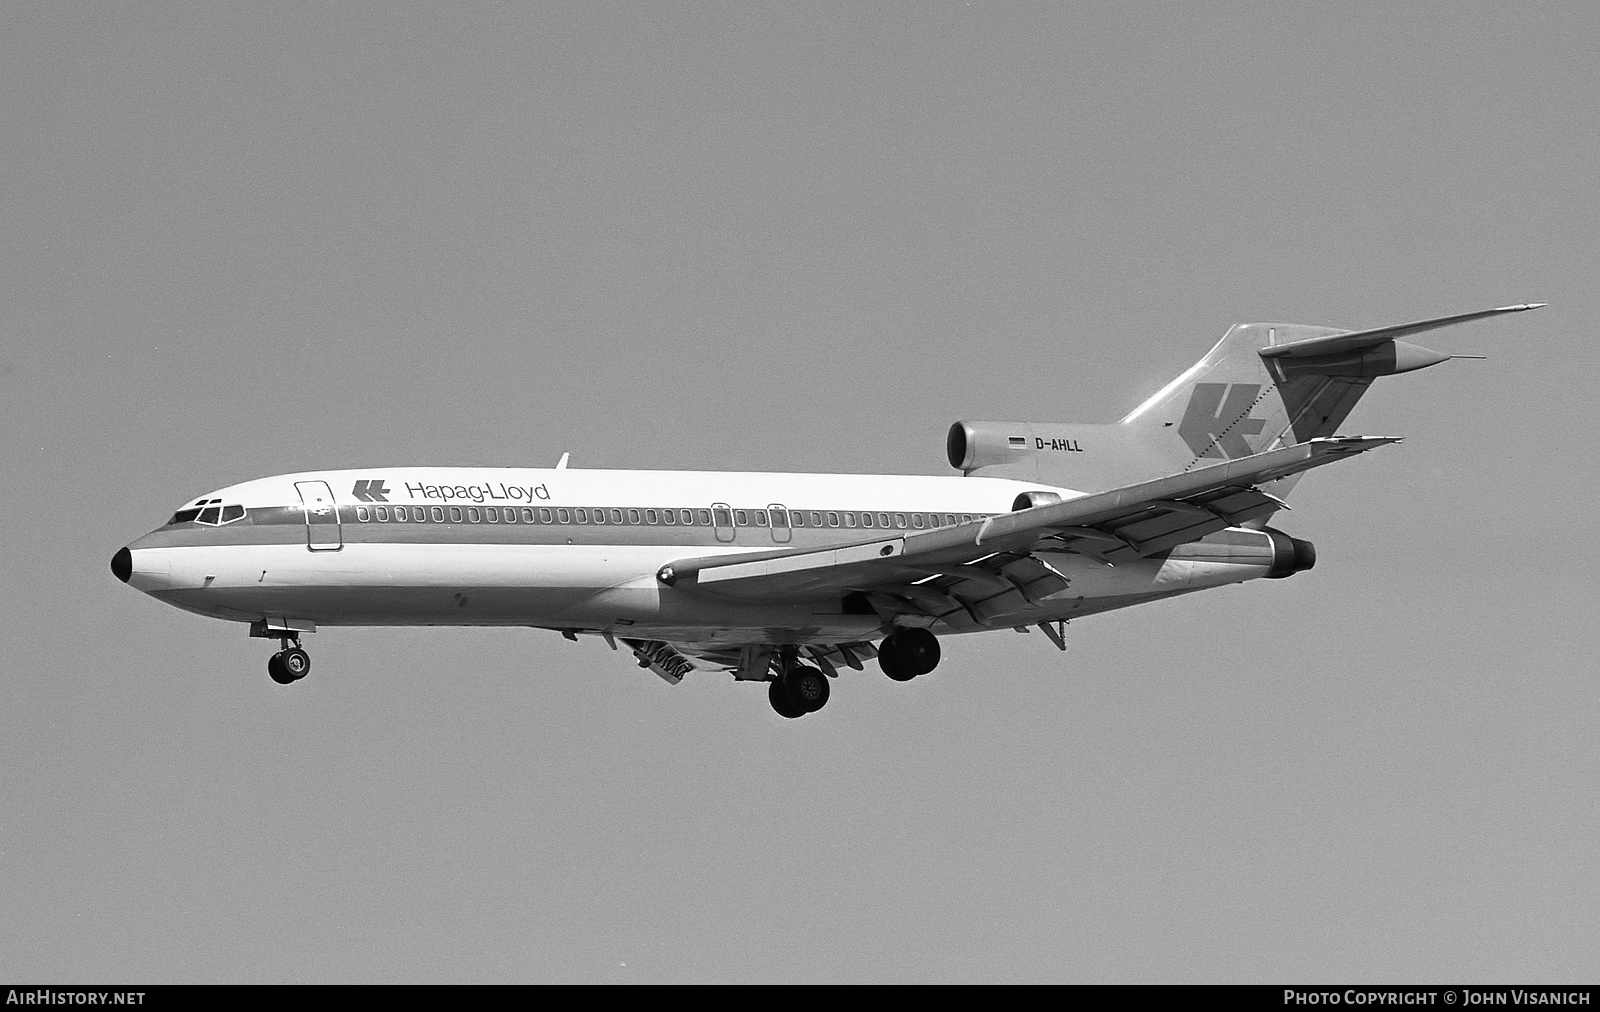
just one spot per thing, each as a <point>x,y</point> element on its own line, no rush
<point>1114,526</point>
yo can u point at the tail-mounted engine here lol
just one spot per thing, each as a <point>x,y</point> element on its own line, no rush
<point>971,445</point>
<point>1290,555</point>
<point>1086,457</point>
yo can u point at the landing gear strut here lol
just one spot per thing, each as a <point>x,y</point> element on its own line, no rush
<point>907,653</point>
<point>799,690</point>
<point>290,664</point>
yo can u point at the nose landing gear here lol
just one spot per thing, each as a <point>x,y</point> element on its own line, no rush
<point>290,664</point>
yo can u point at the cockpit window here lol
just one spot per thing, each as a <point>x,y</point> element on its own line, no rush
<point>210,512</point>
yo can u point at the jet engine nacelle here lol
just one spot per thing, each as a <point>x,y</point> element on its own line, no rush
<point>1086,457</point>
<point>974,445</point>
<point>1028,500</point>
<point>1290,555</point>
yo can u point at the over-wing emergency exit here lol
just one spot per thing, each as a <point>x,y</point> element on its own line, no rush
<point>788,579</point>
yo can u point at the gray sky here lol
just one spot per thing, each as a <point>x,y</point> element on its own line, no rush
<point>241,242</point>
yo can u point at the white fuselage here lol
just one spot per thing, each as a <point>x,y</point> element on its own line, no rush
<point>579,550</point>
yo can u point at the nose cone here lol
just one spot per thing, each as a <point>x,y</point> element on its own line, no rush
<point>122,564</point>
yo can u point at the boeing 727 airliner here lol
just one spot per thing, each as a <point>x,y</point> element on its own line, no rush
<point>787,578</point>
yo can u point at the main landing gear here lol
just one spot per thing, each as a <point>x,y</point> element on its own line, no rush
<point>799,690</point>
<point>907,653</point>
<point>290,664</point>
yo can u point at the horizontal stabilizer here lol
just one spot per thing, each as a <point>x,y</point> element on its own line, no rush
<point>1337,344</point>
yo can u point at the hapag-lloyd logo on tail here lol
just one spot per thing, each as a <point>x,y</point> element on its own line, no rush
<point>1218,418</point>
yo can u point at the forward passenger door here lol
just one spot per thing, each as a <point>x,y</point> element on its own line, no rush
<point>323,533</point>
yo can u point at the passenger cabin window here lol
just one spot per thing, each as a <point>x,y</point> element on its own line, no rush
<point>723,518</point>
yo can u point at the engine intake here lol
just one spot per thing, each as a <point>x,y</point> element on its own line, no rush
<point>1028,500</point>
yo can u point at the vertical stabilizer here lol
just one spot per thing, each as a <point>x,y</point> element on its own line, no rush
<point>1263,386</point>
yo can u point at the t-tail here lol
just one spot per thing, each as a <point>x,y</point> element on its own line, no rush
<point>1263,386</point>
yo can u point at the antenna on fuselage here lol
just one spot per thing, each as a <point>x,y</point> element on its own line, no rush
<point>561,465</point>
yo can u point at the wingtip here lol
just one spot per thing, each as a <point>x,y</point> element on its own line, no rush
<point>1522,308</point>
